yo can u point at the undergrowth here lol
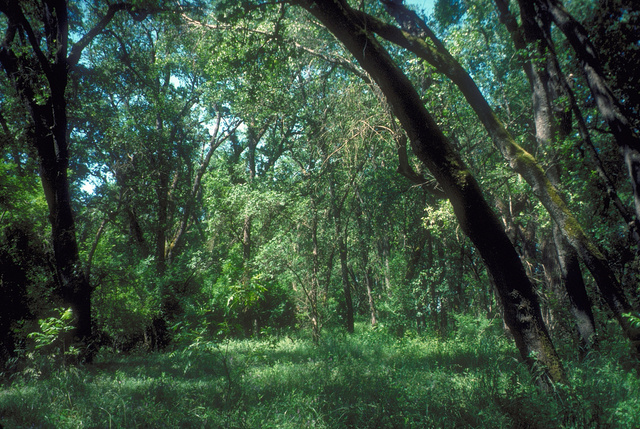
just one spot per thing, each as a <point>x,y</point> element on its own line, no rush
<point>365,380</point>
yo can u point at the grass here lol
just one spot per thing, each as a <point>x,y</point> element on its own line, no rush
<point>366,380</point>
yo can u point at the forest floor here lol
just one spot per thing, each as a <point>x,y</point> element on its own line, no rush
<point>366,380</point>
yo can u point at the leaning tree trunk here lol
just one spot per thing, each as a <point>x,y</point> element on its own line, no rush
<point>626,138</point>
<point>521,162</point>
<point>579,302</point>
<point>537,30</point>
<point>521,308</point>
<point>547,126</point>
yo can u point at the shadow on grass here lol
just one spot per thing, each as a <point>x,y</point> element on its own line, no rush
<point>367,380</point>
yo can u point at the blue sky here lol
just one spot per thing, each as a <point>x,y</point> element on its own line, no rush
<point>426,4</point>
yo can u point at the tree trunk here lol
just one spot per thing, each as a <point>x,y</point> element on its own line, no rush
<point>547,127</point>
<point>523,163</point>
<point>252,142</point>
<point>364,256</point>
<point>619,124</point>
<point>372,304</point>
<point>346,284</point>
<point>416,246</point>
<point>580,304</point>
<point>135,232</point>
<point>340,232</point>
<point>75,287</point>
<point>314,314</point>
<point>522,311</point>
<point>162,193</point>
<point>51,141</point>
<point>385,254</point>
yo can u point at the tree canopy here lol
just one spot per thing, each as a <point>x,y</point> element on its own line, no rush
<point>181,170</point>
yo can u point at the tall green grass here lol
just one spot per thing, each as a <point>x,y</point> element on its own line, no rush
<point>365,380</point>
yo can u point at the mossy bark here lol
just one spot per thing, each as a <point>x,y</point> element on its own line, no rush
<point>521,307</point>
<point>543,74</point>
<point>521,162</point>
<point>586,54</point>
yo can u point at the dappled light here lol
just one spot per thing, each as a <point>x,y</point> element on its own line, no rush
<point>320,213</point>
<point>366,380</point>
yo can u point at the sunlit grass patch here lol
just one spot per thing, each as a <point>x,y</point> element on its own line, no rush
<point>367,380</point>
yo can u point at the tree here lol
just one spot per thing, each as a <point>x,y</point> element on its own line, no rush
<point>519,159</point>
<point>552,124</point>
<point>522,312</point>
<point>150,162</point>
<point>620,125</point>
<point>36,58</point>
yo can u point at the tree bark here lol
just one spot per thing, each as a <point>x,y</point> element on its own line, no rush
<point>162,193</point>
<point>385,250</point>
<point>619,124</point>
<point>314,313</point>
<point>51,142</point>
<point>580,304</point>
<point>364,256</point>
<point>340,233</point>
<point>522,311</point>
<point>548,127</point>
<point>523,163</point>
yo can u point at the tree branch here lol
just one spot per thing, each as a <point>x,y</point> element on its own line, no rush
<point>15,16</point>
<point>136,14</point>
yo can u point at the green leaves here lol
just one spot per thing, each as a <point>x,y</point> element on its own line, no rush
<point>53,329</point>
<point>244,296</point>
<point>634,319</point>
